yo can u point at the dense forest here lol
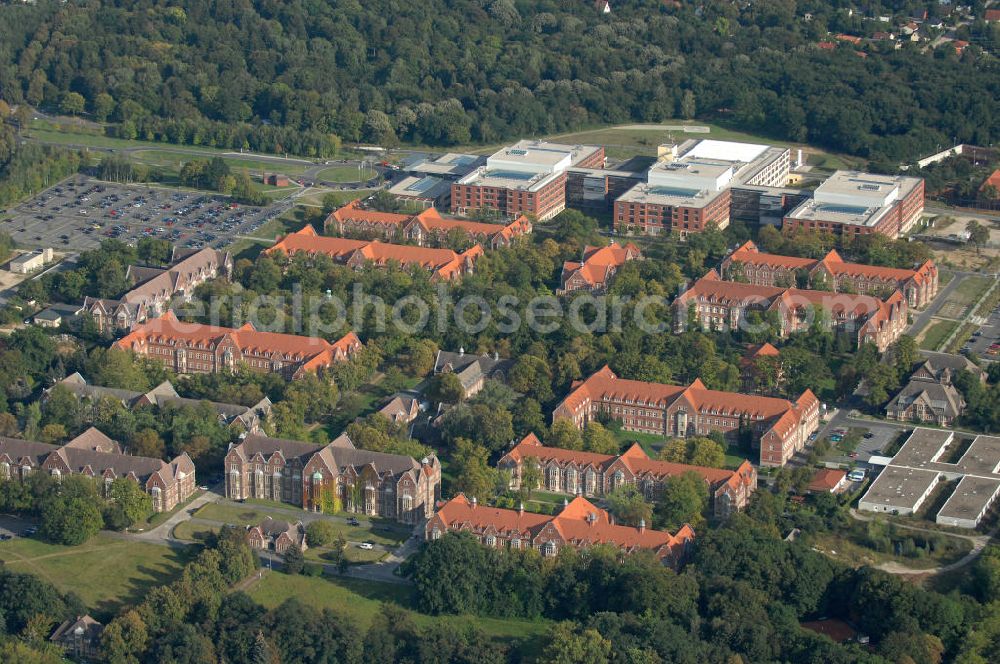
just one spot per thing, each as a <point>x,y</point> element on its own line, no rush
<point>301,75</point>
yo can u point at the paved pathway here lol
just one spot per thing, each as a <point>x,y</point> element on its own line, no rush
<point>164,531</point>
<point>979,543</point>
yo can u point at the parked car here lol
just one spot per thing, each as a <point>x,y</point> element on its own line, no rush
<point>367,546</point>
<point>353,522</point>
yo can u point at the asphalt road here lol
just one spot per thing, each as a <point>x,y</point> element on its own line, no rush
<point>924,317</point>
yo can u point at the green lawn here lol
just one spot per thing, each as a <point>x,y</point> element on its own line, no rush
<point>105,572</point>
<point>936,333</point>
<point>379,531</point>
<point>361,600</point>
<point>176,158</point>
<point>353,554</point>
<point>970,290</point>
<point>650,442</point>
<point>191,531</point>
<point>345,174</point>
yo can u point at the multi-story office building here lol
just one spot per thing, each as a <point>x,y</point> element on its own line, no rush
<point>855,203</point>
<point>527,178</point>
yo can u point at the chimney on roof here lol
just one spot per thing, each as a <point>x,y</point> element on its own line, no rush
<point>591,518</point>
<point>474,502</point>
<point>642,525</point>
<point>520,509</point>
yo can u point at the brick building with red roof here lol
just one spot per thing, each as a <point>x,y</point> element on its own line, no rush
<point>779,427</point>
<point>427,227</point>
<point>596,266</point>
<point>580,524</point>
<point>196,348</point>
<point>721,305</point>
<point>443,264</point>
<point>748,264</point>
<point>590,474</point>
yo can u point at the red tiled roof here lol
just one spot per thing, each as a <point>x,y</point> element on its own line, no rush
<point>992,15</point>
<point>443,262</point>
<point>354,212</point>
<point>836,629</point>
<point>994,178</point>
<point>826,480</point>
<point>430,220</point>
<point>634,458</point>
<point>580,523</point>
<point>599,262</point>
<point>749,254</point>
<point>848,38</point>
<point>604,385</point>
<point>300,348</point>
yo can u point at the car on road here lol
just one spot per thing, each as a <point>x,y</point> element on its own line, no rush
<point>4,537</point>
<point>353,522</point>
<point>30,531</point>
<point>869,436</point>
<point>203,488</point>
<point>367,546</point>
<point>856,475</point>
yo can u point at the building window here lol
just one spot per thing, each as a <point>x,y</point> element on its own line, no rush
<point>549,549</point>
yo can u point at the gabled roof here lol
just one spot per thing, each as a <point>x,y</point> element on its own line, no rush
<point>598,263</point>
<point>92,439</point>
<point>604,385</point>
<point>749,254</point>
<point>83,627</point>
<point>443,262</point>
<point>580,523</point>
<point>291,347</point>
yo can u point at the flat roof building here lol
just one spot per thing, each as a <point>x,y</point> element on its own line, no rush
<point>925,460</point>
<point>450,166</point>
<point>861,204</point>
<point>526,178</point>
<point>422,191</point>
<point>691,186</point>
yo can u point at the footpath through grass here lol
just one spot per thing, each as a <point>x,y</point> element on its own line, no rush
<point>106,572</point>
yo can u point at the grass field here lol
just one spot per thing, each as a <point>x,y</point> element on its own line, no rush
<point>970,290</point>
<point>190,531</point>
<point>375,530</point>
<point>651,443</point>
<point>353,554</point>
<point>106,572</point>
<point>361,601</point>
<point>936,333</point>
<point>345,174</point>
<point>176,158</point>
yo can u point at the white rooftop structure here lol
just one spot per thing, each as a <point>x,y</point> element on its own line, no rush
<point>527,165</point>
<point>422,188</point>
<point>537,157</point>
<point>727,151</point>
<point>452,164</point>
<point>691,173</point>
<point>860,190</point>
<point>931,456</point>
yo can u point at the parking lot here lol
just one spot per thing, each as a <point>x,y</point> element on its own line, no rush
<point>985,342</point>
<point>79,213</point>
<point>873,439</point>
